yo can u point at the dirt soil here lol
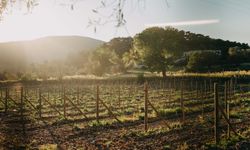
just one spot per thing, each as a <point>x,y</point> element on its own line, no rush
<point>130,135</point>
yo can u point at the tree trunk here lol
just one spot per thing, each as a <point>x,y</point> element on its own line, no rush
<point>164,73</point>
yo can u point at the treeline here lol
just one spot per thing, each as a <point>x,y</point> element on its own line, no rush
<point>154,49</point>
<point>163,49</point>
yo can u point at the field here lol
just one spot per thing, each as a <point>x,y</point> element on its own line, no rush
<point>171,113</point>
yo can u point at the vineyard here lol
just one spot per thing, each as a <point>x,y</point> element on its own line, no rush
<point>171,113</point>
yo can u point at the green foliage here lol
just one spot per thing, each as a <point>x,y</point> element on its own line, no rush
<point>168,112</point>
<point>141,117</point>
<point>8,76</point>
<point>120,45</point>
<point>183,146</point>
<point>236,114</point>
<point>131,58</point>
<point>157,47</point>
<point>102,61</point>
<point>238,55</point>
<point>166,147</point>
<point>48,147</point>
<point>26,77</point>
<point>202,61</point>
<point>142,134</point>
<point>99,123</point>
<point>109,57</point>
<point>160,48</point>
<point>230,143</point>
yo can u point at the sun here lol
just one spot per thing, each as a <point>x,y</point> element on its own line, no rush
<point>45,20</point>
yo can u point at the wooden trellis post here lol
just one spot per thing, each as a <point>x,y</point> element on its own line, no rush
<point>36,93</point>
<point>210,85</point>
<point>146,107</point>
<point>182,103</point>
<point>191,85</point>
<point>77,97</point>
<point>231,88</point>
<point>16,95</point>
<point>40,103</point>
<point>119,96</point>
<point>97,103</point>
<point>170,96</point>
<point>111,96</point>
<point>22,110</point>
<point>216,114</point>
<point>174,84</point>
<point>225,96</point>
<point>48,95</point>
<point>64,103</point>
<point>227,108</point>
<point>6,100</point>
<point>197,90</point>
<point>204,97</point>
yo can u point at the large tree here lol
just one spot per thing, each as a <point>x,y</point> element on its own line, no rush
<point>157,47</point>
<point>238,55</point>
<point>102,61</point>
<point>120,45</point>
<point>200,61</point>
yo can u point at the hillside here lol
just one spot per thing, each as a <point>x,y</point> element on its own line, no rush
<point>43,49</point>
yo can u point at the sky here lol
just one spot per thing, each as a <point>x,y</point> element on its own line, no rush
<point>225,19</point>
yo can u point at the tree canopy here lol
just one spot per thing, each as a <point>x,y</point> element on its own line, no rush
<point>161,48</point>
<point>157,47</point>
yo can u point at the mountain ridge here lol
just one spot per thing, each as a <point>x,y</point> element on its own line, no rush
<point>44,49</point>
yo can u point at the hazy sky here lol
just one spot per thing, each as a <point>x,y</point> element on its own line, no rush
<point>226,19</point>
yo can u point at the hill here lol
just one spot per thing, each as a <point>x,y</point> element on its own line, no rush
<point>17,54</point>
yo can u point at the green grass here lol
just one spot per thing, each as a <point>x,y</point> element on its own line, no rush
<point>169,111</point>
<point>225,143</point>
<point>48,147</point>
<point>100,123</point>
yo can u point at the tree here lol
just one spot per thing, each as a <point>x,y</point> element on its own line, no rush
<point>157,47</point>
<point>102,60</point>
<point>131,58</point>
<point>119,46</point>
<point>5,5</point>
<point>202,61</point>
<point>238,55</point>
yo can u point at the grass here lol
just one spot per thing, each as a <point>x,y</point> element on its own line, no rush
<point>167,147</point>
<point>235,114</point>
<point>245,102</point>
<point>246,133</point>
<point>100,123</point>
<point>169,111</point>
<point>183,146</point>
<point>48,147</point>
<point>214,74</point>
<point>225,143</point>
<point>152,132</point>
<point>143,134</point>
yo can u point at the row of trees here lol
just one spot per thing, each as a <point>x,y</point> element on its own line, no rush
<point>161,49</point>
<point>237,59</point>
<point>154,49</point>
